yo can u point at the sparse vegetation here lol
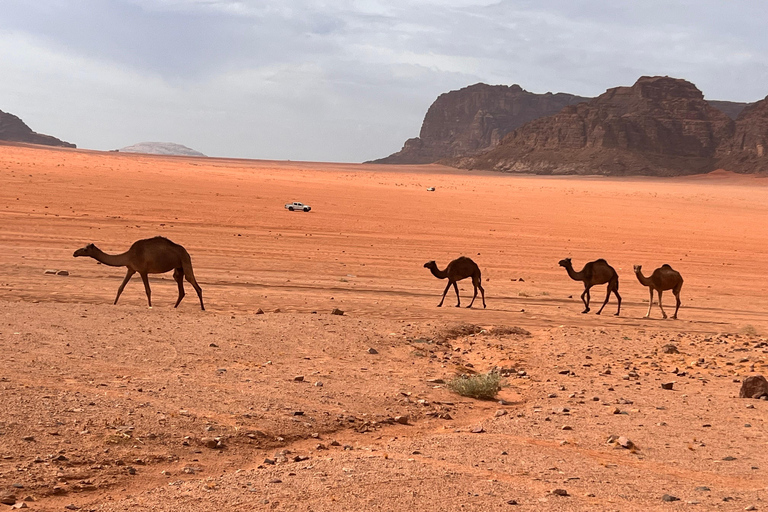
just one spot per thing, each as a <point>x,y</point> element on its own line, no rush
<point>483,386</point>
<point>506,330</point>
<point>458,331</point>
<point>749,330</point>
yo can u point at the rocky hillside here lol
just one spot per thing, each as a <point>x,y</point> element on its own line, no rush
<point>659,126</point>
<point>160,148</point>
<point>747,150</point>
<point>474,119</point>
<point>13,129</point>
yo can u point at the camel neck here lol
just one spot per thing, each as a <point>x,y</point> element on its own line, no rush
<point>113,260</point>
<point>576,276</point>
<point>440,274</point>
<point>643,280</point>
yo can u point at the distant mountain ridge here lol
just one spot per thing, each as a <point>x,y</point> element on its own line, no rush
<point>13,129</point>
<point>160,148</point>
<point>464,124</point>
<point>659,126</point>
<point>474,119</point>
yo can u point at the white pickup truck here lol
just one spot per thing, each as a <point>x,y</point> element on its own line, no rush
<point>297,206</point>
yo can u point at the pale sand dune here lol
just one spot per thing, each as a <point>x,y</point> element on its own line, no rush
<point>361,249</point>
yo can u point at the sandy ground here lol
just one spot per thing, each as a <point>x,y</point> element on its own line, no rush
<point>114,408</point>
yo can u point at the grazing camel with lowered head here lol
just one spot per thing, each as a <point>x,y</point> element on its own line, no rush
<point>151,256</point>
<point>460,268</point>
<point>663,278</point>
<point>594,273</point>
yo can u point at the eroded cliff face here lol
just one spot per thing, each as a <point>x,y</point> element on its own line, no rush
<point>13,129</point>
<point>747,150</point>
<point>659,126</point>
<point>474,119</point>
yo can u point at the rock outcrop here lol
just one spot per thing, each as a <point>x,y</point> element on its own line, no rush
<point>747,150</point>
<point>160,148</point>
<point>659,126</point>
<point>13,129</point>
<point>474,119</point>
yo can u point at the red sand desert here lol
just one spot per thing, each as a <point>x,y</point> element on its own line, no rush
<point>121,407</point>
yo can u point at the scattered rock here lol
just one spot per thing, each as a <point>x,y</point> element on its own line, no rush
<point>28,438</point>
<point>259,311</point>
<point>337,311</point>
<point>275,481</point>
<point>212,443</point>
<point>512,502</point>
<point>403,420</point>
<point>8,499</point>
<point>755,386</point>
<point>436,381</point>
<point>50,272</point>
<point>62,273</point>
<point>567,427</point>
<point>277,310</point>
<point>669,348</point>
<point>318,384</point>
<point>500,412</point>
<point>750,507</point>
<point>703,488</point>
<point>560,492</point>
<point>669,497</point>
<point>372,351</point>
<point>667,385</point>
<point>19,505</point>
<point>298,378</point>
<point>478,430</point>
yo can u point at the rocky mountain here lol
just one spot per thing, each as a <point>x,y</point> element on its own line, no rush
<point>13,129</point>
<point>747,150</point>
<point>659,126</point>
<point>160,148</point>
<point>474,119</point>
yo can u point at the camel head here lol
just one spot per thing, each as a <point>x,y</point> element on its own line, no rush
<point>565,262</point>
<point>430,264</point>
<point>638,269</point>
<point>88,250</point>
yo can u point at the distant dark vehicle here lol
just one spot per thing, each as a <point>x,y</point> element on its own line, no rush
<point>297,206</point>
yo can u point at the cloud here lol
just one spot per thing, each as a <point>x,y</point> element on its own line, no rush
<point>342,80</point>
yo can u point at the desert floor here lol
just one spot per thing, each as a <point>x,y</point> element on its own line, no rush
<point>122,407</point>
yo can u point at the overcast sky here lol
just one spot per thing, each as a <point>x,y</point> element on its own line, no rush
<point>345,80</point>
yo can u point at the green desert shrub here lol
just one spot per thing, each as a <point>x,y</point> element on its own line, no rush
<point>481,386</point>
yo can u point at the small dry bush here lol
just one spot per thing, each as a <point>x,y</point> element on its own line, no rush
<point>482,386</point>
<point>458,331</point>
<point>506,330</point>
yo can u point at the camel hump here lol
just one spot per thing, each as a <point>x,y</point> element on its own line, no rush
<point>666,267</point>
<point>601,260</point>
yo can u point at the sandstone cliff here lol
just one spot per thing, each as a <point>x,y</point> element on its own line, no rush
<point>13,129</point>
<point>659,126</point>
<point>747,150</point>
<point>474,119</point>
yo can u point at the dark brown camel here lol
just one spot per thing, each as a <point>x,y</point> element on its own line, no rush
<point>663,278</point>
<point>594,273</point>
<point>460,268</point>
<point>151,256</point>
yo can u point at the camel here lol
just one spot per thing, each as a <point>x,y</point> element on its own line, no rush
<point>663,278</point>
<point>594,273</point>
<point>460,268</point>
<point>151,256</point>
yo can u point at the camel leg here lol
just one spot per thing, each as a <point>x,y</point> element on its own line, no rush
<point>191,278</point>
<point>586,302</point>
<point>145,278</point>
<point>474,285</point>
<point>677,296</point>
<point>444,292</point>
<point>482,292</point>
<point>618,297</point>
<point>660,306</point>
<point>607,296</point>
<point>178,275</point>
<point>128,276</point>
<point>458,299</point>
<point>650,303</point>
